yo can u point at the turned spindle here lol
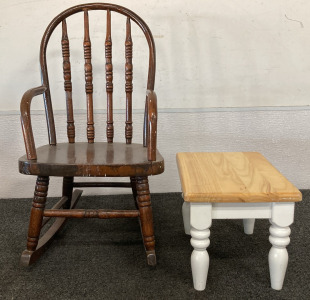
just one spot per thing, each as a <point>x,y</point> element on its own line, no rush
<point>88,80</point>
<point>109,79</point>
<point>128,84</point>
<point>67,82</point>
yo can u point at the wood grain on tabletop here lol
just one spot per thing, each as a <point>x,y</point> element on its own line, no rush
<point>232,177</point>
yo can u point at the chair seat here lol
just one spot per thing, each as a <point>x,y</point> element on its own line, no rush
<point>97,159</point>
<point>233,177</point>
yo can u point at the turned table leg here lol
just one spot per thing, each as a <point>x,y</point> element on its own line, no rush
<point>186,217</point>
<point>200,222</point>
<point>281,217</point>
<point>248,225</point>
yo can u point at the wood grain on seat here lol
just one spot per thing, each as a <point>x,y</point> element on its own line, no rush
<point>97,159</point>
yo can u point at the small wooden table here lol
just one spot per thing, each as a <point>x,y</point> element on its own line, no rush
<point>235,185</point>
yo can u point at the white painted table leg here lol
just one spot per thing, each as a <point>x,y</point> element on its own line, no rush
<point>281,217</point>
<point>248,225</point>
<point>186,217</point>
<point>200,221</point>
<point>278,256</point>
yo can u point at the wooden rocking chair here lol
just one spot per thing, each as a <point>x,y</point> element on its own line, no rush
<point>91,159</point>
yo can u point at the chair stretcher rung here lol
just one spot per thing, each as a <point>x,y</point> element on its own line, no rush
<point>58,205</point>
<point>91,213</point>
<point>102,184</point>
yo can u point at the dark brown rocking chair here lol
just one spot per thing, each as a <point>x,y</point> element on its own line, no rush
<point>91,159</point>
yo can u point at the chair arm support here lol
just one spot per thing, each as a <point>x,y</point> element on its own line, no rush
<point>26,120</point>
<point>151,102</point>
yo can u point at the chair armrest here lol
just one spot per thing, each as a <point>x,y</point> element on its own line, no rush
<point>26,120</point>
<point>151,103</point>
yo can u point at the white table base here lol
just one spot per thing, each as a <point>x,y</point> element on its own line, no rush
<point>198,217</point>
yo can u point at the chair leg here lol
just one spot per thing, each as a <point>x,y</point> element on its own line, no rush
<point>146,218</point>
<point>133,182</point>
<point>35,245</point>
<point>36,216</point>
<point>67,188</point>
